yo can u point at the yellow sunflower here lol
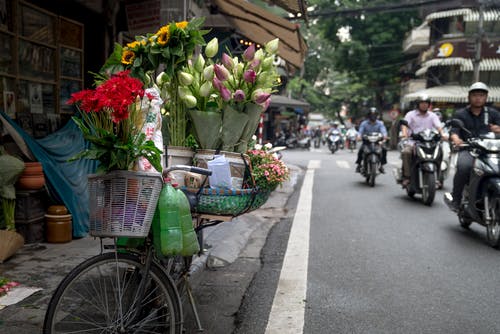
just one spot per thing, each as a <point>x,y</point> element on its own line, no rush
<point>163,35</point>
<point>181,25</point>
<point>133,45</point>
<point>128,57</point>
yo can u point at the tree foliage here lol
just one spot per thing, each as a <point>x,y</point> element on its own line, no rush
<point>363,71</point>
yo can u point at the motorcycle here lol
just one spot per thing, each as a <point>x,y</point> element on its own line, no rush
<point>371,156</point>
<point>425,166</point>
<point>351,142</point>
<point>335,141</point>
<point>292,141</point>
<point>480,202</point>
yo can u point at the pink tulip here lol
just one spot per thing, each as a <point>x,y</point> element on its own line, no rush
<point>255,63</point>
<point>266,105</point>
<point>239,96</point>
<point>217,83</point>
<point>250,76</point>
<point>221,72</point>
<point>249,52</point>
<point>227,61</point>
<point>225,93</point>
<point>260,97</point>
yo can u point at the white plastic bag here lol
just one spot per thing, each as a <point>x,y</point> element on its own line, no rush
<point>221,173</point>
<point>150,106</point>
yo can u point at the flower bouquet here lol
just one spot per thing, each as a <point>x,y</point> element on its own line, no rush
<point>10,240</point>
<point>227,98</point>
<point>169,49</point>
<point>268,171</point>
<point>111,119</point>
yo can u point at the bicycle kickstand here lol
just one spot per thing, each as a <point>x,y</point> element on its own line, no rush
<point>192,302</point>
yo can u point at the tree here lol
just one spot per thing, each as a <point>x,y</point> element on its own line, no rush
<point>368,62</point>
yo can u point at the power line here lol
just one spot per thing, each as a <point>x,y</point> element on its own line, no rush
<point>375,9</point>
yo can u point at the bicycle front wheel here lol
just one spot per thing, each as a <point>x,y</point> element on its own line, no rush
<point>101,295</point>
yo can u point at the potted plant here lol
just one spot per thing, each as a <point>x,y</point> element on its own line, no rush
<point>10,240</point>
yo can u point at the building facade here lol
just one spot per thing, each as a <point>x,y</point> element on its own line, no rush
<point>450,44</point>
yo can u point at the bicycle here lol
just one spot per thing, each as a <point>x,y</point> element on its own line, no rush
<point>128,290</point>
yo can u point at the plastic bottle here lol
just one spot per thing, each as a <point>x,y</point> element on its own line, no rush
<point>167,233</point>
<point>190,245</point>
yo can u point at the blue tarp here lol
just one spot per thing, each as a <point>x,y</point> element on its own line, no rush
<point>67,181</point>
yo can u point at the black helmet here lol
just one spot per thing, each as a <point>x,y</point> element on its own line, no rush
<point>373,113</point>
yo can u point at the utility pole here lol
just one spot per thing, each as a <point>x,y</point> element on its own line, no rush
<point>479,41</point>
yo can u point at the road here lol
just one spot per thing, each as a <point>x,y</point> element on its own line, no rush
<point>376,261</point>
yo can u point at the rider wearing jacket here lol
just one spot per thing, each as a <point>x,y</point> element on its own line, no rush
<point>478,119</point>
<point>372,124</point>
<point>418,120</point>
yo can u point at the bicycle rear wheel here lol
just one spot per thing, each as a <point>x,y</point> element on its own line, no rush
<point>101,296</point>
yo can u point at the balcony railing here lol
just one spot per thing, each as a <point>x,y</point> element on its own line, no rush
<point>417,39</point>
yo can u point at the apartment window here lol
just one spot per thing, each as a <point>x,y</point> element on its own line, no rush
<point>41,64</point>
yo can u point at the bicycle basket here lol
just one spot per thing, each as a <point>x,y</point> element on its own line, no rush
<point>122,203</point>
<point>228,201</point>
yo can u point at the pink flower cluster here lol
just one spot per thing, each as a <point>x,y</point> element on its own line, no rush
<point>6,287</point>
<point>267,170</point>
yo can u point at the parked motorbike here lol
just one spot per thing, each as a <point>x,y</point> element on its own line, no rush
<point>480,202</point>
<point>335,141</point>
<point>295,142</point>
<point>371,156</point>
<point>425,165</point>
<point>292,141</point>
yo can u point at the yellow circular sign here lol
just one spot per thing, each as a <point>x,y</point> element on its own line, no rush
<point>445,50</point>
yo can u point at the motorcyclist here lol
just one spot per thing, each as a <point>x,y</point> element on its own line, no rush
<point>418,120</point>
<point>372,124</point>
<point>478,119</point>
<point>335,129</point>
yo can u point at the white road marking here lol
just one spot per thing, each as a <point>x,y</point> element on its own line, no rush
<point>287,312</point>
<point>343,164</point>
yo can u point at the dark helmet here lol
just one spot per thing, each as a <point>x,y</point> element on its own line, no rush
<point>373,113</point>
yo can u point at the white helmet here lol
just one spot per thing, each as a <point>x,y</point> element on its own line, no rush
<point>478,86</point>
<point>424,98</point>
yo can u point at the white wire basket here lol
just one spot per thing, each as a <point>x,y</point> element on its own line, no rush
<point>122,203</point>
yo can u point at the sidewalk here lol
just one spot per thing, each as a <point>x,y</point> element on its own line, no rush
<point>44,265</point>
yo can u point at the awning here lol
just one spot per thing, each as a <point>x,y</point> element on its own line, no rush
<point>466,64</point>
<point>450,93</point>
<point>463,62</point>
<point>469,15</point>
<point>488,15</point>
<point>261,26</point>
<point>448,13</point>
<point>283,101</point>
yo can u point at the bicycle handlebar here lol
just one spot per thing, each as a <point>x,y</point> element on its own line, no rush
<point>192,169</point>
